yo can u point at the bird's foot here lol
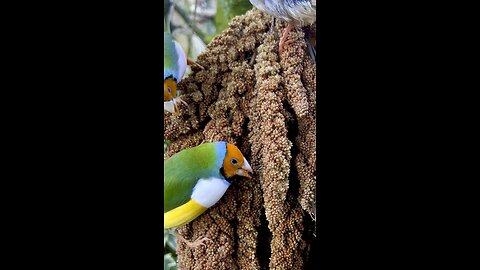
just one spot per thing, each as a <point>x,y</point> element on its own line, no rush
<point>181,100</point>
<point>283,40</point>
<point>196,243</point>
<point>190,62</point>
<point>175,105</point>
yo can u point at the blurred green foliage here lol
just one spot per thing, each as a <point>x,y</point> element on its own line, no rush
<point>228,9</point>
<point>169,245</point>
<point>166,6</point>
<point>169,248</point>
<point>203,18</point>
<point>165,145</point>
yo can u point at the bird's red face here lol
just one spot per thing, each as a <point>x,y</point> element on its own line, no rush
<point>235,164</point>
<point>169,89</point>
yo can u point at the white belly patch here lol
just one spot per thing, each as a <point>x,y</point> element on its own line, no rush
<point>208,191</point>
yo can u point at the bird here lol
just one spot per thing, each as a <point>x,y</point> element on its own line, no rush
<point>174,67</point>
<point>196,178</point>
<point>294,12</point>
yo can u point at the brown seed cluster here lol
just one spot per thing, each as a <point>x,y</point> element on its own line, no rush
<point>249,96</point>
<point>300,81</point>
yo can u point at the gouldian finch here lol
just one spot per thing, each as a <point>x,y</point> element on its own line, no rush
<point>174,67</point>
<point>295,12</point>
<point>195,179</point>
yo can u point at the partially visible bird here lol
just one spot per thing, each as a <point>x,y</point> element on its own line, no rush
<point>295,12</point>
<point>195,179</point>
<point>174,67</point>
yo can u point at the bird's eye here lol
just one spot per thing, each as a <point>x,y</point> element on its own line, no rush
<point>234,161</point>
<point>169,90</point>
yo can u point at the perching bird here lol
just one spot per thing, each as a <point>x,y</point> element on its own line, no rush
<point>195,179</point>
<point>174,67</point>
<point>295,12</point>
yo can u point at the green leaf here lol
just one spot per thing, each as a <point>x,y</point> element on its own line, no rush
<point>165,145</point>
<point>169,262</point>
<point>228,9</point>
<point>171,242</point>
<point>165,238</point>
<point>169,239</point>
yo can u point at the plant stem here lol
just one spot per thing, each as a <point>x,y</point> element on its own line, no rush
<point>191,24</point>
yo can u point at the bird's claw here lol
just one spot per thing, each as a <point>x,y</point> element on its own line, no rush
<point>175,105</point>
<point>196,243</point>
<point>283,40</point>
<point>181,100</point>
<point>191,62</point>
<point>172,106</point>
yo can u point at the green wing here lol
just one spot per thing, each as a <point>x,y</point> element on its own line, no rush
<point>184,169</point>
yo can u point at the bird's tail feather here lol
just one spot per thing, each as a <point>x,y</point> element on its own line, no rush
<point>182,214</point>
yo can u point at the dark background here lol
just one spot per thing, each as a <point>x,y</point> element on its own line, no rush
<point>83,129</point>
